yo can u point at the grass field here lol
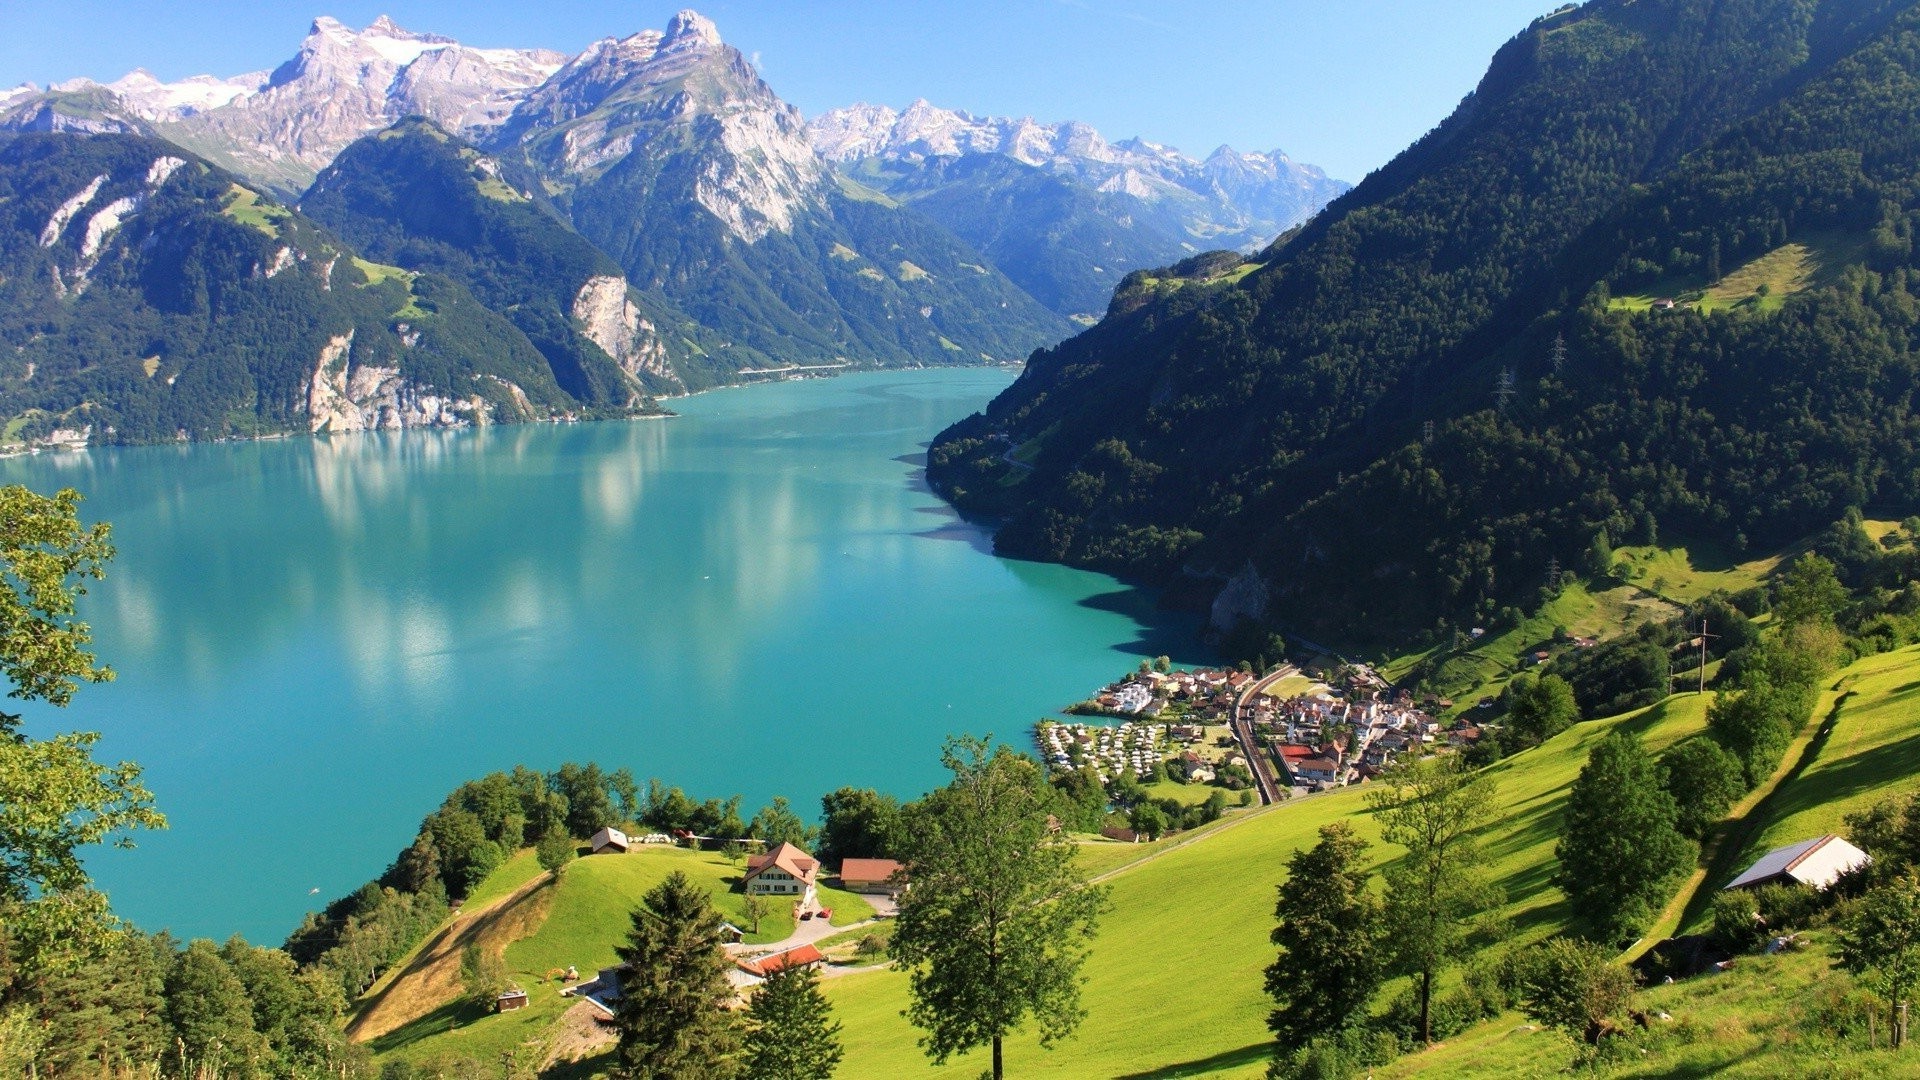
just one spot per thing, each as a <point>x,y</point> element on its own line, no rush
<point>245,207</point>
<point>1871,749</point>
<point>1584,609</point>
<point>1761,285</point>
<point>1184,794</point>
<point>1683,575</point>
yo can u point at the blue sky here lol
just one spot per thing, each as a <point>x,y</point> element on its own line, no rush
<point>1343,84</point>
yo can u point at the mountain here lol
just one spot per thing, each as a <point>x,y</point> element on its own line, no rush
<point>1654,277</point>
<point>1064,212</point>
<point>669,153</point>
<point>147,295</point>
<point>418,198</point>
<point>280,128</point>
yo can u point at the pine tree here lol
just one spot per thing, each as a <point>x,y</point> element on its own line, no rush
<point>1621,852</point>
<point>672,1013</point>
<point>791,1032</point>
<point>1330,959</point>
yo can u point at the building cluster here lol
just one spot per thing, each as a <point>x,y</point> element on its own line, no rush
<point>1337,737</point>
<point>1205,694</point>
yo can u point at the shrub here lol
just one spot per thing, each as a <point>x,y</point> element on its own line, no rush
<point>1736,921</point>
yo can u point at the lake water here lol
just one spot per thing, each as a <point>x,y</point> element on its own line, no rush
<point>316,639</point>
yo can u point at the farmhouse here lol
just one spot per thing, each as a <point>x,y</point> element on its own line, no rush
<point>784,871</point>
<point>1815,862</point>
<point>610,839</point>
<point>800,956</point>
<point>869,875</point>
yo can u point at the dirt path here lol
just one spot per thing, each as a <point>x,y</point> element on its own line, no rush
<point>430,977</point>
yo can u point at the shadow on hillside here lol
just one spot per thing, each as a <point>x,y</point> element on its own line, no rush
<point>454,1014</point>
<point>587,1068</point>
<point>1227,1059</point>
<point>1843,780</point>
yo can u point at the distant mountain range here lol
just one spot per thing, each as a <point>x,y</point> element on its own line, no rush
<point>745,239</point>
<point>1064,212</point>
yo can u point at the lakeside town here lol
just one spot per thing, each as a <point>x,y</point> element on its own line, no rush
<point>1286,733</point>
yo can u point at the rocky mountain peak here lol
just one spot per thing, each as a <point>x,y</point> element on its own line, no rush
<point>691,30</point>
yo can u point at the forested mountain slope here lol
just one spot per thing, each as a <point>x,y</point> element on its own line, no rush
<point>146,295</point>
<point>1467,369</point>
<point>418,198</point>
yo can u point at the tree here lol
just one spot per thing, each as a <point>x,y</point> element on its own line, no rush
<point>791,1033</point>
<point>672,1014</point>
<point>1880,943</point>
<point>589,808</point>
<point>1809,592</point>
<point>756,907</point>
<point>54,798</point>
<point>211,1016</point>
<point>48,558</point>
<point>1704,780</point>
<point>1574,986</point>
<point>858,823</point>
<point>995,928</point>
<point>1620,852</point>
<point>1327,927</point>
<point>483,975</point>
<point>735,851</point>
<point>776,823</point>
<point>1544,708</point>
<point>1437,890</point>
<point>556,851</point>
<point>1148,820</point>
<point>1755,724</point>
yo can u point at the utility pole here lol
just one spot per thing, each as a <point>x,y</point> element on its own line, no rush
<point>1426,432</point>
<point>1703,654</point>
<point>1559,352</point>
<point>1553,573</point>
<point>1504,389</point>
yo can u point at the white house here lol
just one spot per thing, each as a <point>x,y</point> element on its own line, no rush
<point>610,839</point>
<point>1815,862</point>
<point>784,871</point>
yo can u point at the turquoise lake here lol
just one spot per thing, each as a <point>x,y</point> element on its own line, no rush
<point>316,639</point>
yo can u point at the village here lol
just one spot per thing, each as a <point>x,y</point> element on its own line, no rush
<point>1291,733</point>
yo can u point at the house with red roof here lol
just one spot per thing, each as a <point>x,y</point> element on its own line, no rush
<point>784,871</point>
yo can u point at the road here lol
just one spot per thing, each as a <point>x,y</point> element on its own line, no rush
<point>1257,761</point>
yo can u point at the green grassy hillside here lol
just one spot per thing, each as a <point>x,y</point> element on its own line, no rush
<point>1771,1015</point>
<point>1174,981</point>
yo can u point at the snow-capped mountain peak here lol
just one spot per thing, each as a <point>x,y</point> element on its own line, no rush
<point>1241,198</point>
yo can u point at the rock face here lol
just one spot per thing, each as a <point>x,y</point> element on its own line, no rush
<point>678,92</point>
<point>343,397</point>
<point>611,320</point>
